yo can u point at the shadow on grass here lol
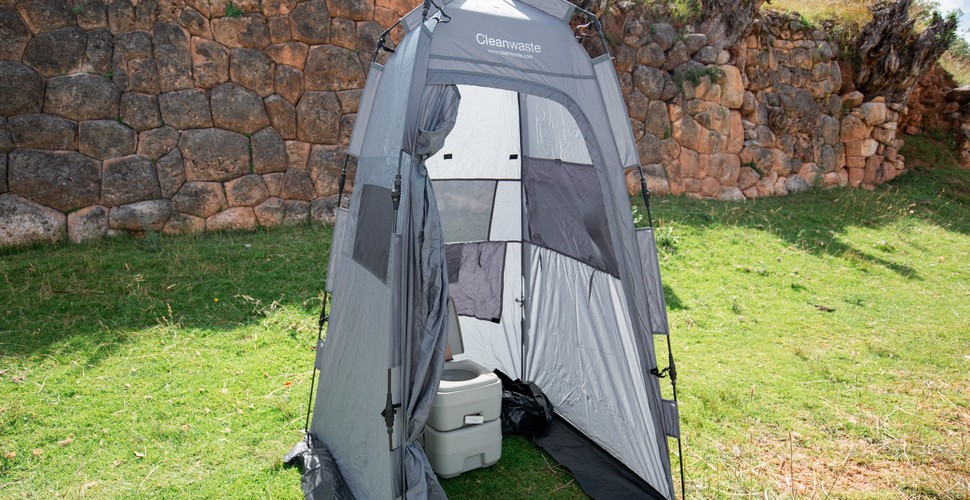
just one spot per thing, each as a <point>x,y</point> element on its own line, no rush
<point>814,221</point>
<point>90,298</point>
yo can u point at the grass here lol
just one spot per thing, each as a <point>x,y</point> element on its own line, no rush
<point>823,345</point>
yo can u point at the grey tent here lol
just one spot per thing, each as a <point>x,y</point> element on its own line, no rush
<point>491,150</point>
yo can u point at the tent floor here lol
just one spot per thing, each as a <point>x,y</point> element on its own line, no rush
<point>597,472</point>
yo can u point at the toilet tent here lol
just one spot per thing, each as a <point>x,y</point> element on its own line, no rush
<point>490,169</point>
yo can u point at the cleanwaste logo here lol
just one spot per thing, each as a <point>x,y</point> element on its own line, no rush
<point>507,47</point>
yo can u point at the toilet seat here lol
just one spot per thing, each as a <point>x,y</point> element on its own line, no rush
<point>464,375</point>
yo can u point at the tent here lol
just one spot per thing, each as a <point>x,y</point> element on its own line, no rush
<point>490,154</point>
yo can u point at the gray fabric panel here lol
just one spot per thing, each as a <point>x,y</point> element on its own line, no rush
<point>616,110</point>
<point>372,243</point>
<point>466,208</point>
<point>671,418</point>
<point>550,131</point>
<point>582,351</point>
<point>337,245</point>
<point>475,278</point>
<point>365,108</point>
<point>426,132</point>
<point>559,9</point>
<point>426,335</point>
<point>353,382</point>
<point>567,212</point>
<point>657,305</point>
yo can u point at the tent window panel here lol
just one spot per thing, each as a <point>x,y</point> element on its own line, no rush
<point>507,214</point>
<point>372,243</point>
<point>567,213</point>
<point>475,278</point>
<point>465,208</point>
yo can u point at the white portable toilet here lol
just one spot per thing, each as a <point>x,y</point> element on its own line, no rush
<point>464,432</point>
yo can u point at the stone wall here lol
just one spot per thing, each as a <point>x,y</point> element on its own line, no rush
<point>173,116</point>
<point>183,116</point>
<point>939,105</point>
<point>767,117</point>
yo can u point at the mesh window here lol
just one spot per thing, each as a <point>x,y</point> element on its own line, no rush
<point>465,208</point>
<point>567,212</point>
<point>372,243</point>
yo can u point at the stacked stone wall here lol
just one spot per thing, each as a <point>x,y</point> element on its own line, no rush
<point>182,116</point>
<point>175,116</point>
<point>768,117</point>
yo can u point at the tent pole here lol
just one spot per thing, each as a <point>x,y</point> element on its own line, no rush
<point>313,378</point>
<point>646,196</point>
<point>672,367</point>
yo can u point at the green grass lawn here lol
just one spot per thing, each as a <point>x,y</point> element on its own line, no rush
<point>823,344</point>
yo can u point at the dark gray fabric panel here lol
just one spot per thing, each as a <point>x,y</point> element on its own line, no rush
<point>656,304</point>
<point>425,133</point>
<point>372,243</point>
<point>475,278</point>
<point>671,418</point>
<point>426,300</point>
<point>465,208</point>
<point>321,478</point>
<point>567,212</point>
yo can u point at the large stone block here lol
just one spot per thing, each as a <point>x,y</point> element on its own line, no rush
<point>318,118</point>
<point>289,83</point>
<point>103,139</point>
<point>180,223</point>
<point>214,155</point>
<point>62,180</point>
<point>22,89</point>
<point>82,97</point>
<point>279,29</point>
<point>874,113</point>
<point>732,87</point>
<point>135,44</point>
<point>298,186</point>
<point>173,59</point>
<point>233,219</point>
<point>141,216</point>
<point>43,132</point>
<point>195,23</point>
<point>200,199</point>
<point>237,109</point>
<point>6,140</point>
<point>23,222</point>
<point>343,33</point>
<point>282,115</point>
<point>46,15</point>
<point>247,31</point>
<point>649,149</point>
<point>140,111</point>
<point>210,63</point>
<point>297,154</point>
<point>14,34</point>
<point>91,14</point>
<point>156,143</point>
<point>89,223</point>
<point>358,10</point>
<point>650,81</point>
<point>651,55</point>
<point>142,76</point>
<point>324,166</point>
<point>269,153</point>
<point>289,53</point>
<point>246,191</point>
<point>3,172</point>
<point>333,68</point>
<point>295,212</point>
<point>270,212</point>
<point>310,22</point>
<point>128,180</point>
<point>186,109</point>
<point>98,52</point>
<point>121,16</point>
<point>171,173</point>
<point>252,69</point>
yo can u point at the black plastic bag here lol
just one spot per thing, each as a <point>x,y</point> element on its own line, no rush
<point>525,408</point>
